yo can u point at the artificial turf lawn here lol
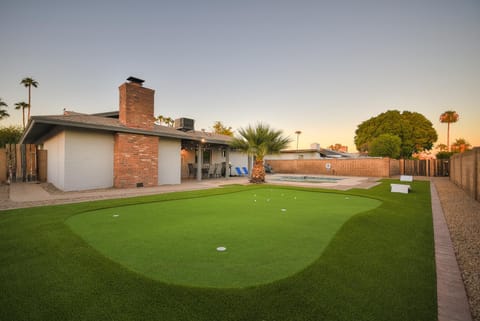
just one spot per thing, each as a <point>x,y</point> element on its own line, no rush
<point>378,266</point>
<point>269,234</point>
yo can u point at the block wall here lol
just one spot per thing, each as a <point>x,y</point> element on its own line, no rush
<point>376,167</point>
<point>465,172</point>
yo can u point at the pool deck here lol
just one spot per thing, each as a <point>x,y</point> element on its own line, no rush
<point>341,183</point>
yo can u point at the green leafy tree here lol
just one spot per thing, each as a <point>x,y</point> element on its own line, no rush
<point>23,106</point>
<point>386,145</point>
<point>219,128</point>
<point>414,130</point>
<point>259,141</point>
<point>444,155</point>
<point>29,83</point>
<point>442,147</point>
<point>3,111</point>
<point>450,116</point>
<point>10,135</point>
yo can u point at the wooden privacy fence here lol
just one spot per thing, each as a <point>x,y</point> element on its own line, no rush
<point>23,163</point>
<point>424,167</point>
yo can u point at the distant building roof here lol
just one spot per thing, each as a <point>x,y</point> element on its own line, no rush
<point>322,151</point>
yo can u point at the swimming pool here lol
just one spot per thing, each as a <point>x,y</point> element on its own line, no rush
<point>306,179</point>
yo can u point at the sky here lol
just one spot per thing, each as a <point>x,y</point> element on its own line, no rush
<point>319,67</point>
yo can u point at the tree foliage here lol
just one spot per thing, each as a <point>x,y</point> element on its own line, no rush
<point>168,121</point>
<point>450,116</point>
<point>10,135</point>
<point>259,141</point>
<point>386,145</point>
<point>461,145</point>
<point>3,111</point>
<point>414,130</point>
<point>219,128</point>
<point>23,106</point>
<point>29,82</point>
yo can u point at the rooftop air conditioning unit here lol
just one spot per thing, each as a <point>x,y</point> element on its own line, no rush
<point>184,124</point>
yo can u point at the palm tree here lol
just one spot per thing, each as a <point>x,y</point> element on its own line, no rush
<point>3,112</point>
<point>450,116</point>
<point>22,105</point>
<point>29,82</point>
<point>259,141</point>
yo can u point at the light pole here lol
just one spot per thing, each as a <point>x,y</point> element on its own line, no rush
<point>298,134</point>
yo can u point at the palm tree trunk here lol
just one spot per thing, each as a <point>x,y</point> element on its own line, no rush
<point>258,172</point>
<point>23,117</point>
<point>448,136</point>
<point>29,101</point>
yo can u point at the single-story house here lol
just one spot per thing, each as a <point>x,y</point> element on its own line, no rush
<point>126,148</point>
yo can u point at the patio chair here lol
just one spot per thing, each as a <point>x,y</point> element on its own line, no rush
<point>205,170</point>
<point>245,171</point>
<point>218,170</point>
<point>191,170</point>
<point>239,171</point>
<point>211,171</point>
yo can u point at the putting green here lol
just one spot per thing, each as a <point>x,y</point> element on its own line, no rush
<point>268,233</point>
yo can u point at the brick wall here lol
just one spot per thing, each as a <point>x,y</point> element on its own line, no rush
<point>371,167</point>
<point>465,172</point>
<point>136,106</point>
<point>135,161</point>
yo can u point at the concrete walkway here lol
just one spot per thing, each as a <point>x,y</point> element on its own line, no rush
<point>28,192</point>
<point>451,296</point>
<point>21,195</point>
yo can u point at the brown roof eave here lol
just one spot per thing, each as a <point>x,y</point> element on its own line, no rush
<point>37,122</point>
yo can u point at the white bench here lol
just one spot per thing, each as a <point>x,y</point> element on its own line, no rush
<point>406,178</point>
<point>400,188</point>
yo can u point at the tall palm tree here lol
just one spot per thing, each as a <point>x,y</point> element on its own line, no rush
<point>450,116</point>
<point>29,82</point>
<point>22,105</point>
<point>259,141</point>
<point>3,112</point>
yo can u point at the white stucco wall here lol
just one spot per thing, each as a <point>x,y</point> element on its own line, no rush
<point>238,159</point>
<point>55,147</point>
<point>169,161</point>
<point>88,160</point>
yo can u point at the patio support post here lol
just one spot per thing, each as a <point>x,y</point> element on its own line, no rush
<point>227,163</point>
<point>250,166</point>
<point>199,162</point>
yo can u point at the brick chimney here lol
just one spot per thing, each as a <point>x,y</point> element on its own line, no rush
<point>135,161</point>
<point>136,104</point>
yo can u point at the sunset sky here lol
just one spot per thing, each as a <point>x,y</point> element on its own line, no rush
<point>321,67</point>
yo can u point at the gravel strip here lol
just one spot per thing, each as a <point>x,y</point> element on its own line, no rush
<point>462,214</point>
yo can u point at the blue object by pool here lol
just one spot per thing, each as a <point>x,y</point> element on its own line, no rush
<point>239,171</point>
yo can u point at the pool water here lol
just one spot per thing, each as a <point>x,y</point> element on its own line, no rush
<point>306,179</point>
